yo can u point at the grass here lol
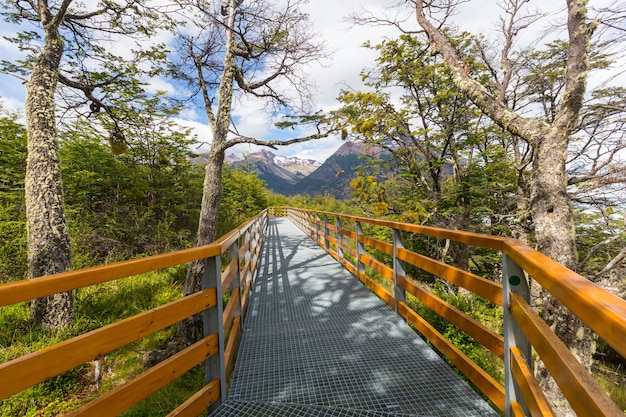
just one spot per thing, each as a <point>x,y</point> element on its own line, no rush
<point>95,307</point>
<point>612,379</point>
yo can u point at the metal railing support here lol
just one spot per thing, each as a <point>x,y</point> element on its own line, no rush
<point>233,253</point>
<point>213,323</point>
<point>339,237</point>
<point>399,295</point>
<point>360,249</point>
<point>326,241</point>
<point>513,280</point>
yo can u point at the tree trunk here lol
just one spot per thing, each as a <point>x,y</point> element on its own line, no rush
<point>554,230</point>
<point>49,250</point>
<point>550,206</point>
<point>190,330</point>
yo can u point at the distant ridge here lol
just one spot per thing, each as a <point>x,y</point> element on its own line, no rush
<point>290,176</point>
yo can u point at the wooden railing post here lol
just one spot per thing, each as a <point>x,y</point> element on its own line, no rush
<point>513,280</point>
<point>212,321</point>
<point>398,270</point>
<point>360,249</point>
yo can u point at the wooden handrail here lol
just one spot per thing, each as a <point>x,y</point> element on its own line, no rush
<point>602,311</point>
<point>38,366</point>
<point>43,364</point>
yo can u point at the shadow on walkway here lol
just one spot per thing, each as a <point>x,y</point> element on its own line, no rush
<point>316,342</point>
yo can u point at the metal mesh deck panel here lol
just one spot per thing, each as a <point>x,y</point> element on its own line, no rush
<point>316,342</point>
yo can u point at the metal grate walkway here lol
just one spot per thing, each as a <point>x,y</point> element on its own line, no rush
<point>316,342</point>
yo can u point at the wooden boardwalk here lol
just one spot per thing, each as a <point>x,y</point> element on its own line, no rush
<point>316,342</point>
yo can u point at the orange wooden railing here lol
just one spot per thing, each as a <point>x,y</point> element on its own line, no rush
<point>343,237</point>
<point>217,349</point>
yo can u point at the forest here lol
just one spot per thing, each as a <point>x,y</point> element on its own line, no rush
<point>466,133</point>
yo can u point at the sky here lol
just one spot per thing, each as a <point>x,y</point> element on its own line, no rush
<point>342,71</point>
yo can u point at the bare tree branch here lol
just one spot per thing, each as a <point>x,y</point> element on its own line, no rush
<point>613,264</point>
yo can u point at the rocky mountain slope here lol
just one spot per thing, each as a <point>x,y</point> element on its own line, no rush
<point>293,175</point>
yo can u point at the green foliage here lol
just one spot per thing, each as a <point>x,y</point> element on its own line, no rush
<point>12,206</point>
<point>96,306</point>
<point>447,167</point>
<point>477,308</point>
<point>143,201</point>
<point>244,196</point>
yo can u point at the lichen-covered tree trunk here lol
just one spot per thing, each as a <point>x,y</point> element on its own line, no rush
<point>49,249</point>
<point>552,214</point>
<point>550,205</point>
<point>191,329</point>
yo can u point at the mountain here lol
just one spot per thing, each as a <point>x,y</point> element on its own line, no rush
<point>334,176</point>
<point>293,175</point>
<point>279,173</point>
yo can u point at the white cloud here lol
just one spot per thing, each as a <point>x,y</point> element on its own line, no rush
<point>13,105</point>
<point>202,132</point>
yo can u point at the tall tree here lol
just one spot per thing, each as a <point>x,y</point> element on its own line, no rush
<point>64,50</point>
<point>549,136</point>
<point>251,48</point>
<point>446,162</point>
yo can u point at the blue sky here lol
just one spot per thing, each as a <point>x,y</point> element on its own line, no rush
<point>342,70</point>
<point>328,18</point>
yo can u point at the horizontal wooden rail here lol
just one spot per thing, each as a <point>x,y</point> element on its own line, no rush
<point>535,399</point>
<point>603,312</point>
<point>199,402</point>
<point>28,289</point>
<point>581,391</point>
<point>486,337</point>
<point>41,365</point>
<point>479,286</point>
<point>489,386</point>
<point>122,397</point>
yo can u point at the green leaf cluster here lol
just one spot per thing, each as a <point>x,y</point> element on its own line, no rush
<point>12,206</point>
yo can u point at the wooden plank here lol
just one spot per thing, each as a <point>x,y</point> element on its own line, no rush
<point>228,275</point>
<point>485,383</point>
<point>231,345</point>
<point>245,269</point>
<point>123,397</point>
<point>582,392</point>
<point>347,233</point>
<point>377,244</point>
<point>244,249</point>
<point>28,289</point>
<point>516,410</point>
<point>536,400</point>
<point>39,366</point>
<point>377,266</point>
<point>199,402</point>
<point>603,312</point>
<point>486,337</point>
<point>487,289</point>
<point>487,241</point>
<point>231,309</point>
<point>246,297</point>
